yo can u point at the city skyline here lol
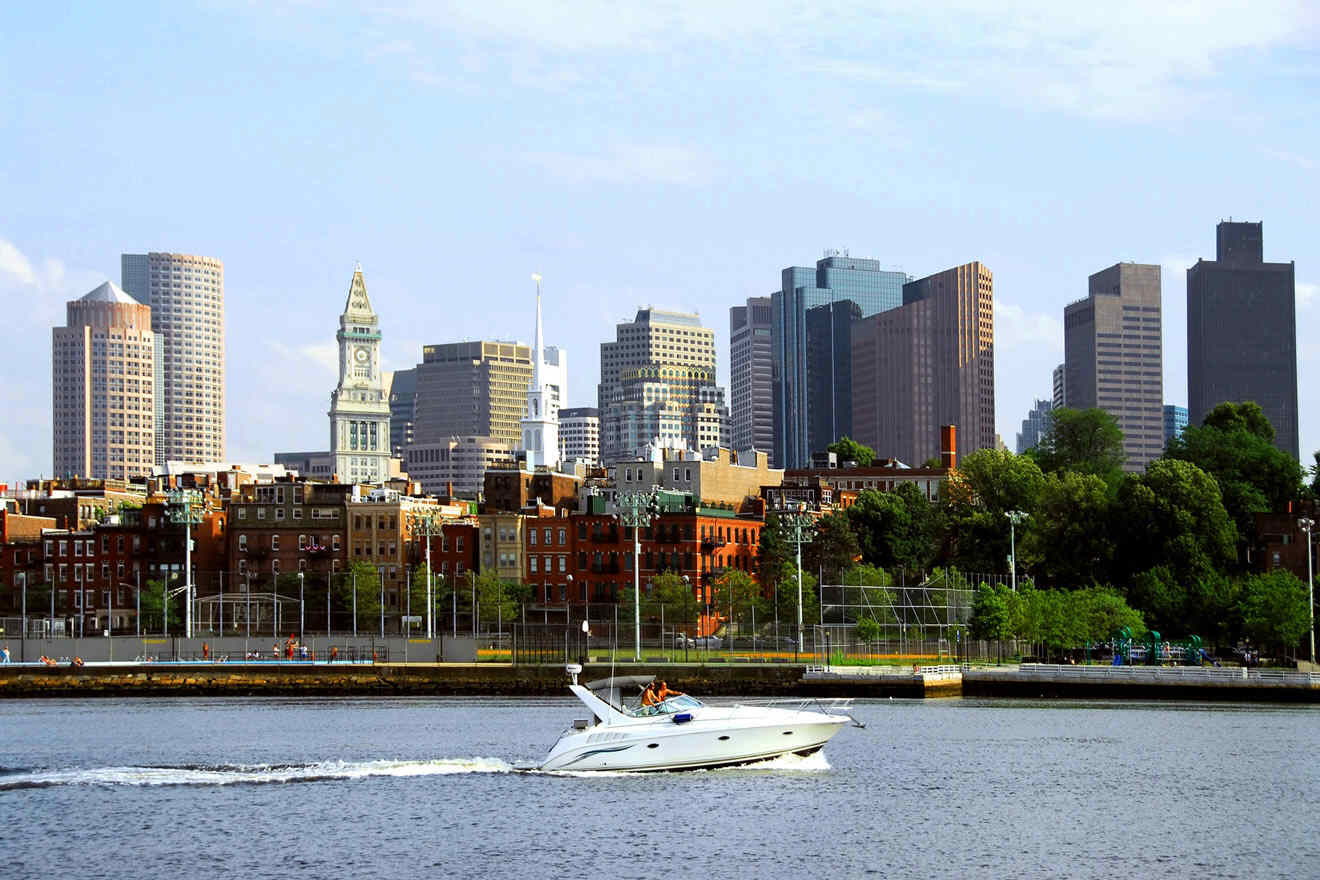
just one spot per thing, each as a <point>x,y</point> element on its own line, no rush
<point>597,168</point>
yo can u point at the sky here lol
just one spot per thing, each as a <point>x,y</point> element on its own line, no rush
<point>676,154</point>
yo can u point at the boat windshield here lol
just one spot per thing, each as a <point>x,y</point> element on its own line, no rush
<point>682,703</point>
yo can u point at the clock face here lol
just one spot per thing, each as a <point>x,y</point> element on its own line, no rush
<point>361,355</point>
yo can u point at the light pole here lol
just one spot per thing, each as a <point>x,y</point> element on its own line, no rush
<point>798,527</point>
<point>302,617</point>
<point>183,506</point>
<point>1307,525</point>
<point>1014,517</point>
<point>428,524</point>
<point>637,509</point>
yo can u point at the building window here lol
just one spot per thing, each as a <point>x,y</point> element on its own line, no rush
<point>242,543</point>
<point>531,537</point>
<point>274,542</point>
<point>531,560</point>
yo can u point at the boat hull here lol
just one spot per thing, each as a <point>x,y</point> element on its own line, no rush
<point>702,743</point>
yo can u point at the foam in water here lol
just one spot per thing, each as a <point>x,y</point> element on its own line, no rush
<point>243,774</point>
<point>14,779</point>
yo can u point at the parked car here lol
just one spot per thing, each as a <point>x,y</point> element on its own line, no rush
<point>707,643</point>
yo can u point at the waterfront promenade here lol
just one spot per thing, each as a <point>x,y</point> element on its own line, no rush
<point>366,678</point>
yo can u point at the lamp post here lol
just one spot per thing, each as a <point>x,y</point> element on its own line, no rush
<point>1014,517</point>
<point>798,527</point>
<point>637,509</point>
<point>428,524</point>
<point>302,616</point>
<point>183,507</point>
<point>1307,525</point>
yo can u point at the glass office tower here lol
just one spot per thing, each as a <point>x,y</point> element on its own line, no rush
<point>811,364</point>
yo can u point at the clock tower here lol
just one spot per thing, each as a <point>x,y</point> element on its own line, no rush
<point>359,407</point>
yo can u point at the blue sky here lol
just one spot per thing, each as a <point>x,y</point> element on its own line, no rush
<point>671,153</point>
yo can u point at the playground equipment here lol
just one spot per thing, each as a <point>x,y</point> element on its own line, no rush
<point>1154,650</point>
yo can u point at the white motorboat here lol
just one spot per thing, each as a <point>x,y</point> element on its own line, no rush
<point>682,733</point>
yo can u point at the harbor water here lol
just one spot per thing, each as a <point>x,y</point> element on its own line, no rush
<point>430,788</point>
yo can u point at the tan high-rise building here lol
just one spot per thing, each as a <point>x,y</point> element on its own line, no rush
<point>1113,355</point>
<point>930,362</point>
<point>187,298</point>
<point>657,385</point>
<point>467,389</point>
<point>103,387</point>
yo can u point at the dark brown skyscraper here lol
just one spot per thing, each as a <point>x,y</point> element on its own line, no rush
<point>751,410</point>
<point>928,363</point>
<point>1242,332</point>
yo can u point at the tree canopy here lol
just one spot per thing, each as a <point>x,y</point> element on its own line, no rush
<point>1087,441</point>
<point>848,449</point>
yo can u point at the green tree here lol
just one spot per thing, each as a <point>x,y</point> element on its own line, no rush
<point>1100,612</point>
<point>1235,445</point>
<point>1087,441</point>
<point>363,579</point>
<point>895,528</point>
<point>988,484</point>
<point>848,449</point>
<point>868,629</point>
<point>1275,609</point>
<point>499,600</point>
<point>1069,539</point>
<point>678,598</point>
<point>773,551</point>
<point>785,600</point>
<point>738,598</point>
<point>1173,515</point>
<point>991,618</point>
<point>833,548</point>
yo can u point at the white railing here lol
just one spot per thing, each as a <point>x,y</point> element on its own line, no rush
<point>1152,674</point>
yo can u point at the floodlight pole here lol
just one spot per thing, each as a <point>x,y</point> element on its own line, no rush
<point>637,509</point>
<point>798,527</point>
<point>1307,525</point>
<point>1014,517</point>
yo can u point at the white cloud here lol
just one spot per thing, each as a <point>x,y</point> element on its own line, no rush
<point>15,265</point>
<point>1015,328</point>
<point>1304,162</point>
<point>652,163</point>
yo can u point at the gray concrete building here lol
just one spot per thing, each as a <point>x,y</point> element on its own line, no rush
<point>103,403</point>
<point>751,391</point>
<point>1114,357</point>
<point>187,298</point>
<point>1060,393</point>
<point>1242,332</point>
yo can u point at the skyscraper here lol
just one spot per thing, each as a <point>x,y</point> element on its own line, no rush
<point>1175,422</point>
<point>1060,395</point>
<point>751,410</point>
<point>359,409</point>
<point>811,358</point>
<point>579,434</point>
<point>1113,357</point>
<point>103,387</point>
<point>187,298</point>
<point>657,385</point>
<point>1034,425</point>
<point>1242,332</point>
<point>403,408</point>
<point>927,364</point>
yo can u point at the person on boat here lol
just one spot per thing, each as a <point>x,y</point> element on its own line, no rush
<point>648,695</point>
<point>664,692</point>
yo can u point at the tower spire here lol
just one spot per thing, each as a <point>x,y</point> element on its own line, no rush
<point>538,350</point>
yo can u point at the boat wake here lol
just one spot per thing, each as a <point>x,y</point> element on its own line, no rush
<point>15,779</point>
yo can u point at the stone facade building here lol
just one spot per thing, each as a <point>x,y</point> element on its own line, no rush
<point>103,386</point>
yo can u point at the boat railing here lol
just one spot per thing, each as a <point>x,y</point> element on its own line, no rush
<point>827,705</point>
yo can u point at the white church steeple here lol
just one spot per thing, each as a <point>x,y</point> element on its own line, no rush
<point>540,426</point>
